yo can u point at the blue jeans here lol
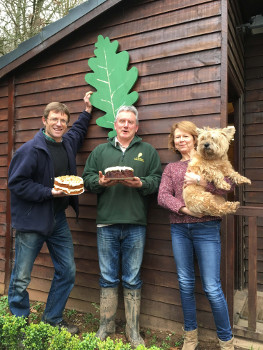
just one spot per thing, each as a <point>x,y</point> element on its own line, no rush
<point>203,239</point>
<point>61,250</point>
<point>121,245</point>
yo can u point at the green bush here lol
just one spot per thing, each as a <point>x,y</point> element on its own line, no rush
<point>110,344</point>
<point>38,336</point>
<point>89,341</point>
<point>63,340</point>
<point>11,332</point>
<point>3,305</point>
<point>15,334</point>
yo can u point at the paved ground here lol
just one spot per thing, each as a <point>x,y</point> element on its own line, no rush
<point>244,344</point>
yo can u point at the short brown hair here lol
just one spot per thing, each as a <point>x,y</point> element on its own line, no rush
<point>57,107</point>
<point>185,126</point>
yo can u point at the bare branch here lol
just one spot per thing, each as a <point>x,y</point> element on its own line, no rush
<point>22,19</point>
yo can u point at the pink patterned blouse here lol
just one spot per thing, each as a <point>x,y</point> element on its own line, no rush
<point>170,194</point>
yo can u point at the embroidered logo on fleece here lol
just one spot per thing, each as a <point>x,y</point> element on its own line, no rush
<point>139,157</point>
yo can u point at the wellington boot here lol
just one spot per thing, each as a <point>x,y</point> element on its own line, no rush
<point>190,340</point>
<point>227,345</point>
<point>108,308</point>
<point>132,302</point>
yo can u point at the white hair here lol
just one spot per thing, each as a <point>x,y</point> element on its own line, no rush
<point>131,109</point>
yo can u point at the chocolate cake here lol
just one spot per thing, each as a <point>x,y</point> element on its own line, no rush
<point>119,172</point>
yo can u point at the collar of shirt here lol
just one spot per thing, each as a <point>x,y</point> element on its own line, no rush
<point>48,137</point>
<point>117,142</point>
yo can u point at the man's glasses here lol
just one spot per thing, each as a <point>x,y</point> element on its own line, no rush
<point>57,120</point>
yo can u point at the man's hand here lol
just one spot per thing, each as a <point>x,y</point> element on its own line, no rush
<point>134,182</point>
<point>106,182</point>
<point>87,101</point>
<point>59,193</point>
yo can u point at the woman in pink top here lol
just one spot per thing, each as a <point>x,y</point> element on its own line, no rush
<point>193,234</point>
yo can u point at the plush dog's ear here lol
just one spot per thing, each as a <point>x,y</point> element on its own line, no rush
<point>198,130</point>
<point>229,132</point>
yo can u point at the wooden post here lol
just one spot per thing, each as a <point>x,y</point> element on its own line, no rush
<point>252,273</point>
<point>230,269</point>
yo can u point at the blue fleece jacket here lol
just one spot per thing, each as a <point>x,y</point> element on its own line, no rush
<point>31,179</point>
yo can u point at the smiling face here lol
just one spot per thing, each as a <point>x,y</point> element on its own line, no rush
<point>184,142</point>
<point>55,125</point>
<point>126,127</point>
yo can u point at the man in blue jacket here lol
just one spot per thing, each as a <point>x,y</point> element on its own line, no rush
<point>38,211</point>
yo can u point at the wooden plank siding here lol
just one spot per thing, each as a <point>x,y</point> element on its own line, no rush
<point>176,46</point>
<point>3,177</point>
<point>253,139</point>
<point>235,47</point>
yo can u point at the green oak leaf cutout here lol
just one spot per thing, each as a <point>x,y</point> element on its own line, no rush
<point>112,81</point>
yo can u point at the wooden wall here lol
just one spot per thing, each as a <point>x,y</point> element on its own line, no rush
<point>236,64</point>
<point>254,135</point>
<point>176,46</point>
<point>236,86</point>
<point>3,176</point>
<point>245,53</point>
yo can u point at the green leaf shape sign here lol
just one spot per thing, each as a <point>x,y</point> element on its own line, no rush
<point>112,81</point>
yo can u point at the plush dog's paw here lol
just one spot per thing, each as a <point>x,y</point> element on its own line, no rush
<point>245,180</point>
<point>231,207</point>
<point>239,180</point>
<point>224,186</point>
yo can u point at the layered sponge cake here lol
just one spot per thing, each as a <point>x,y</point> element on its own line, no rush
<point>119,172</point>
<point>69,184</point>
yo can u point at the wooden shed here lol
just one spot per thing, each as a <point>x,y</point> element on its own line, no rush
<point>198,60</point>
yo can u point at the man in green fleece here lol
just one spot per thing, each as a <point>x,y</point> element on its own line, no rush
<point>122,218</point>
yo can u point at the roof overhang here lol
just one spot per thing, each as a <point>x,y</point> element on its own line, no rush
<point>77,17</point>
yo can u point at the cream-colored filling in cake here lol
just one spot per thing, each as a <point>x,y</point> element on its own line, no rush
<point>69,184</point>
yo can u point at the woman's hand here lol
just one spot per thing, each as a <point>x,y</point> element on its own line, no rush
<point>186,211</point>
<point>193,179</point>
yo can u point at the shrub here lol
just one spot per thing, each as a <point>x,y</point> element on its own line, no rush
<point>11,331</point>
<point>16,334</point>
<point>38,336</point>
<point>90,341</point>
<point>63,340</point>
<point>110,344</point>
<point>3,305</point>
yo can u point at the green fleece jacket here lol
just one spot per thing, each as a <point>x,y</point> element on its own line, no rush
<point>120,204</point>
